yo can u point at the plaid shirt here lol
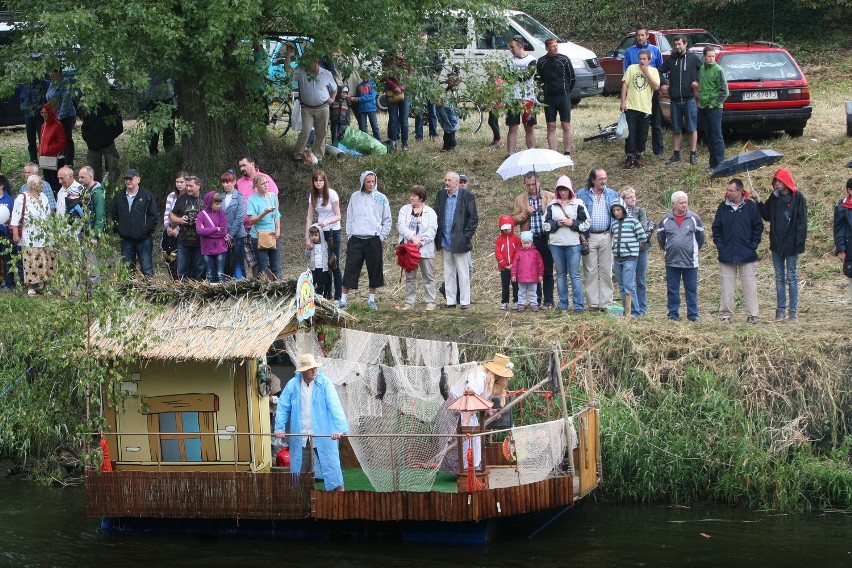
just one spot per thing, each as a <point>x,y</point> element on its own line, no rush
<point>535,216</point>
<point>599,213</point>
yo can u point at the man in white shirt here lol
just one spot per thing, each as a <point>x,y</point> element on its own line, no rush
<point>524,67</point>
<point>69,198</point>
<point>317,90</point>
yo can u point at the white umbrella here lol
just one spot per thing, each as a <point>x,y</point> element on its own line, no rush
<point>533,160</point>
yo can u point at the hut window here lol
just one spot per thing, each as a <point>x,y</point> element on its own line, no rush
<point>177,418</point>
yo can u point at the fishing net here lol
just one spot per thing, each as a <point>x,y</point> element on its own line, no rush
<point>539,449</point>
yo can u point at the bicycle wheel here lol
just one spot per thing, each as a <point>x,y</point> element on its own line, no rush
<point>470,115</point>
<point>280,113</point>
<point>600,136</point>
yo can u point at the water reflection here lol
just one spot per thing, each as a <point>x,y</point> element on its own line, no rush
<point>47,527</point>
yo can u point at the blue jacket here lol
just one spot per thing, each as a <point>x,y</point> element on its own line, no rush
<point>8,202</point>
<point>61,95</point>
<point>327,417</point>
<point>236,212</point>
<point>365,96</point>
<point>843,230</point>
<point>737,232</point>
<point>586,195</point>
<point>631,56</point>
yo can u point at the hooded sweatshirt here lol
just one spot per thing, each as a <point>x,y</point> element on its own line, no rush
<point>627,233</point>
<point>318,255</point>
<point>52,135</point>
<point>561,235</point>
<point>787,215</point>
<point>368,215</point>
<point>683,70</point>
<point>212,227</point>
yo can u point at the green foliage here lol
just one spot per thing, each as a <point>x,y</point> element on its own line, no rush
<point>697,440</point>
<point>53,373</point>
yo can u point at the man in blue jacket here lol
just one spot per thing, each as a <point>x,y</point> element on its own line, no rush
<point>597,265</point>
<point>631,56</point>
<point>737,229</point>
<point>309,405</point>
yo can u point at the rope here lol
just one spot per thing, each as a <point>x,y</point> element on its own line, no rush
<point>21,376</point>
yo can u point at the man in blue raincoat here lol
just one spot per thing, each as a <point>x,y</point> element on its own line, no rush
<point>309,405</point>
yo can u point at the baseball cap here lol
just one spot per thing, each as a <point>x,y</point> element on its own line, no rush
<point>462,178</point>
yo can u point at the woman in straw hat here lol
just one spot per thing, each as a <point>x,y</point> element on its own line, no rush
<point>487,380</point>
<point>324,418</point>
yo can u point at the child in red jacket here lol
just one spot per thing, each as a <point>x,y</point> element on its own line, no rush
<point>527,271</point>
<point>505,248</point>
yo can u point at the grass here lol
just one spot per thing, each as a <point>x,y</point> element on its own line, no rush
<point>757,415</point>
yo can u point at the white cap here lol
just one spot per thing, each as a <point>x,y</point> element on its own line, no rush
<point>505,226</point>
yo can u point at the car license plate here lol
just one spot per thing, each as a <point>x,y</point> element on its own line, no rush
<point>600,84</point>
<point>760,96</point>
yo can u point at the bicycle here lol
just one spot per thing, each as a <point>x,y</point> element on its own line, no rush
<point>280,116</point>
<point>604,133</point>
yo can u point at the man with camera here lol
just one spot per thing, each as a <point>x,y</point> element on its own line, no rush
<point>190,263</point>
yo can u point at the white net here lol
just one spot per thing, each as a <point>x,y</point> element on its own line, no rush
<point>539,449</point>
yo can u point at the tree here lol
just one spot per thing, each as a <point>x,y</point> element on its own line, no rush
<point>209,49</point>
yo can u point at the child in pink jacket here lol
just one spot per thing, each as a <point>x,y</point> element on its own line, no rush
<point>212,227</point>
<point>527,271</point>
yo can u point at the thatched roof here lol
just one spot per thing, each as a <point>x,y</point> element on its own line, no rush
<point>199,321</point>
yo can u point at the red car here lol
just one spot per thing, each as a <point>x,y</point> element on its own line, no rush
<point>768,90</point>
<point>613,61</point>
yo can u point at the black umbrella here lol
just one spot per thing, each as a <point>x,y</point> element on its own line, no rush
<point>746,161</point>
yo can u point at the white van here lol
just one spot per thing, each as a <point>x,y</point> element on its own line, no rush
<point>493,45</point>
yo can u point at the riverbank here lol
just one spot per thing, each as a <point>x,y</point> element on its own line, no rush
<point>751,415</point>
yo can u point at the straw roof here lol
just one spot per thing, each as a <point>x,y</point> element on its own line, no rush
<point>204,322</point>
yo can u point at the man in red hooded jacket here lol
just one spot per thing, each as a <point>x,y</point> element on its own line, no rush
<point>787,214</point>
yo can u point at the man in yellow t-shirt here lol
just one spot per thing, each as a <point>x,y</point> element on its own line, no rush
<point>637,89</point>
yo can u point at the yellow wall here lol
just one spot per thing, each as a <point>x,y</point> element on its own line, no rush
<point>163,379</point>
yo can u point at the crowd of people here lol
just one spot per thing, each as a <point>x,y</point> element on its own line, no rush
<point>582,243</point>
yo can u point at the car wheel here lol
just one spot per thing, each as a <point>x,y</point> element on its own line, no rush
<point>795,132</point>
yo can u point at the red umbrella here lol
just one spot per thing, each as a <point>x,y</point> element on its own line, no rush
<point>408,256</point>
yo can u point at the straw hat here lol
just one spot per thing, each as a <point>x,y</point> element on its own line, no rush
<point>307,361</point>
<point>501,365</point>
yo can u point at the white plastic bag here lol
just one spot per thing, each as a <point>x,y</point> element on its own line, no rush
<point>621,130</point>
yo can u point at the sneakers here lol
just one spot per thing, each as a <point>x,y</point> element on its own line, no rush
<point>341,304</point>
<point>780,314</point>
<point>725,319</point>
<point>504,306</point>
<point>674,159</point>
<point>430,307</point>
<point>751,320</point>
<point>638,162</point>
<point>31,292</point>
<point>534,307</point>
<point>404,307</point>
<point>520,308</point>
<point>793,315</point>
<point>372,305</point>
<point>496,143</point>
<point>629,163</point>
<point>547,306</point>
<point>693,158</point>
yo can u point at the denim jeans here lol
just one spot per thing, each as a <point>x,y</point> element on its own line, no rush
<point>786,276</point>
<point>131,251</point>
<point>674,275</point>
<point>625,274</point>
<point>374,123</point>
<point>710,120</point>
<point>398,121</point>
<point>268,259</point>
<point>567,263</point>
<point>235,258</point>
<point>639,306</point>
<point>190,263</point>
<point>215,267</point>
<point>427,114</point>
<point>332,237</point>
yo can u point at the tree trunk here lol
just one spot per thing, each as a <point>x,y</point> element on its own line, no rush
<point>214,143</point>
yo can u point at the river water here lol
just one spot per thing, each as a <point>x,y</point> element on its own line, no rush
<point>47,527</point>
